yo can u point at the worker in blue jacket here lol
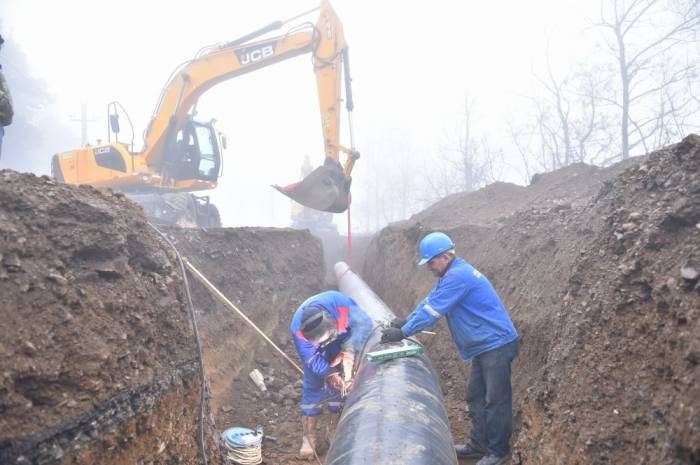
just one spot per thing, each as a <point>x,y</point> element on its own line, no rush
<point>483,332</point>
<point>328,329</point>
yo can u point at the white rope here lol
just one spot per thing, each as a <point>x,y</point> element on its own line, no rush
<point>251,455</point>
<point>244,447</point>
<point>222,298</point>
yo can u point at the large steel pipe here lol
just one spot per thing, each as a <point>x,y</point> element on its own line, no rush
<point>394,413</point>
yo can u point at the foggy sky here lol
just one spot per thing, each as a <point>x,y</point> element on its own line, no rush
<point>412,65</point>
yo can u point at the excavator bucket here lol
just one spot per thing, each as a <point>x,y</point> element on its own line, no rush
<point>326,188</point>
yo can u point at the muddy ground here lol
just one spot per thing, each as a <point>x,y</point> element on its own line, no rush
<point>99,361</point>
<point>599,270</point>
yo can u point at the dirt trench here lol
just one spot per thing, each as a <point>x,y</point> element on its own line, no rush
<point>98,357</point>
<point>266,273</point>
<point>598,267</point>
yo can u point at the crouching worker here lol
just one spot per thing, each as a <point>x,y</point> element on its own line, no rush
<point>328,329</point>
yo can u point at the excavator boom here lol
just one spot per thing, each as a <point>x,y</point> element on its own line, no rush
<point>328,187</point>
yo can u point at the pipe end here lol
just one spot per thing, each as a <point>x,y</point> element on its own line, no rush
<point>340,269</point>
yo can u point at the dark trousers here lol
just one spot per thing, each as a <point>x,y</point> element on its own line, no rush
<point>490,399</point>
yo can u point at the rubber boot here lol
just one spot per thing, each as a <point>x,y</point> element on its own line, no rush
<point>308,439</point>
<point>333,419</point>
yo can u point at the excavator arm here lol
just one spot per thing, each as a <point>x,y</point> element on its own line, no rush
<point>327,187</point>
<point>181,155</point>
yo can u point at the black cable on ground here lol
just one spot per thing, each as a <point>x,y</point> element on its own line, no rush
<point>202,399</point>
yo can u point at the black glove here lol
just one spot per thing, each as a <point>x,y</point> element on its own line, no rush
<point>398,322</point>
<point>392,335</point>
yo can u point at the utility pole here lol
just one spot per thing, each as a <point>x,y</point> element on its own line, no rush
<point>83,123</point>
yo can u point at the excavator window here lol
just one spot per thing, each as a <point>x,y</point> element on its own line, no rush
<point>208,152</point>
<point>197,152</point>
<point>187,156</point>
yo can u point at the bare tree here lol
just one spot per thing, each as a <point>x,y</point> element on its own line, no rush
<point>592,131</point>
<point>521,143</point>
<point>391,187</point>
<point>565,122</point>
<point>561,129</point>
<point>466,162</point>
<point>646,39</point>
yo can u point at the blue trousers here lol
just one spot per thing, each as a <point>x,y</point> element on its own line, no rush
<point>490,399</point>
<point>316,393</point>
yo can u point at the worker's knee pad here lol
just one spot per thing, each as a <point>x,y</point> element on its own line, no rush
<point>311,410</point>
<point>335,407</point>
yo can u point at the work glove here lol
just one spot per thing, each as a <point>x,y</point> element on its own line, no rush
<point>336,361</point>
<point>348,365</point>
<point>398,322</point>
<point>392,335</point>
<point>336,382</point>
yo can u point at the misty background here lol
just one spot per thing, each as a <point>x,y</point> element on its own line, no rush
<point>449,95</point>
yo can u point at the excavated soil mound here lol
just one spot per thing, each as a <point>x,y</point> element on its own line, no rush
<point>98,357</point>
<point>266,273</point>
<point>599,268</point>
<point>97,354</point>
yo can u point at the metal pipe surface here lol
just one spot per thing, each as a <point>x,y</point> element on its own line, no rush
<point>394,413</point>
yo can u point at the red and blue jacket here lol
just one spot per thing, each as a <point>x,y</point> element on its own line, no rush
<point>354,327</point>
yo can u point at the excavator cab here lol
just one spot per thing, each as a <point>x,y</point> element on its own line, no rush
<point>196,153</point>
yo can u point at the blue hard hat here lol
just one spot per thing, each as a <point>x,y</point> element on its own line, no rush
<point>433,245</point>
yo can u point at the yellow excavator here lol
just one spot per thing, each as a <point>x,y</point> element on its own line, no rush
<point>181,155</point>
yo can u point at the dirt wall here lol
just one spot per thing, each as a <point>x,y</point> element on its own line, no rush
<point>589,262</point>
<point>97,352</point>
<point>98,357</point>
<point>267,273</point>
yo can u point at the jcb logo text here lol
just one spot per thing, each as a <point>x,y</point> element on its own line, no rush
<point>250,55</point>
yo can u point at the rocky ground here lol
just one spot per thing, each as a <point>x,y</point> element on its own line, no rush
<point>599,268</point>
<point>98,356</point>
<point>96,345</point>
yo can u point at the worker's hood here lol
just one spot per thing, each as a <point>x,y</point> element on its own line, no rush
<point>320,328</point>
